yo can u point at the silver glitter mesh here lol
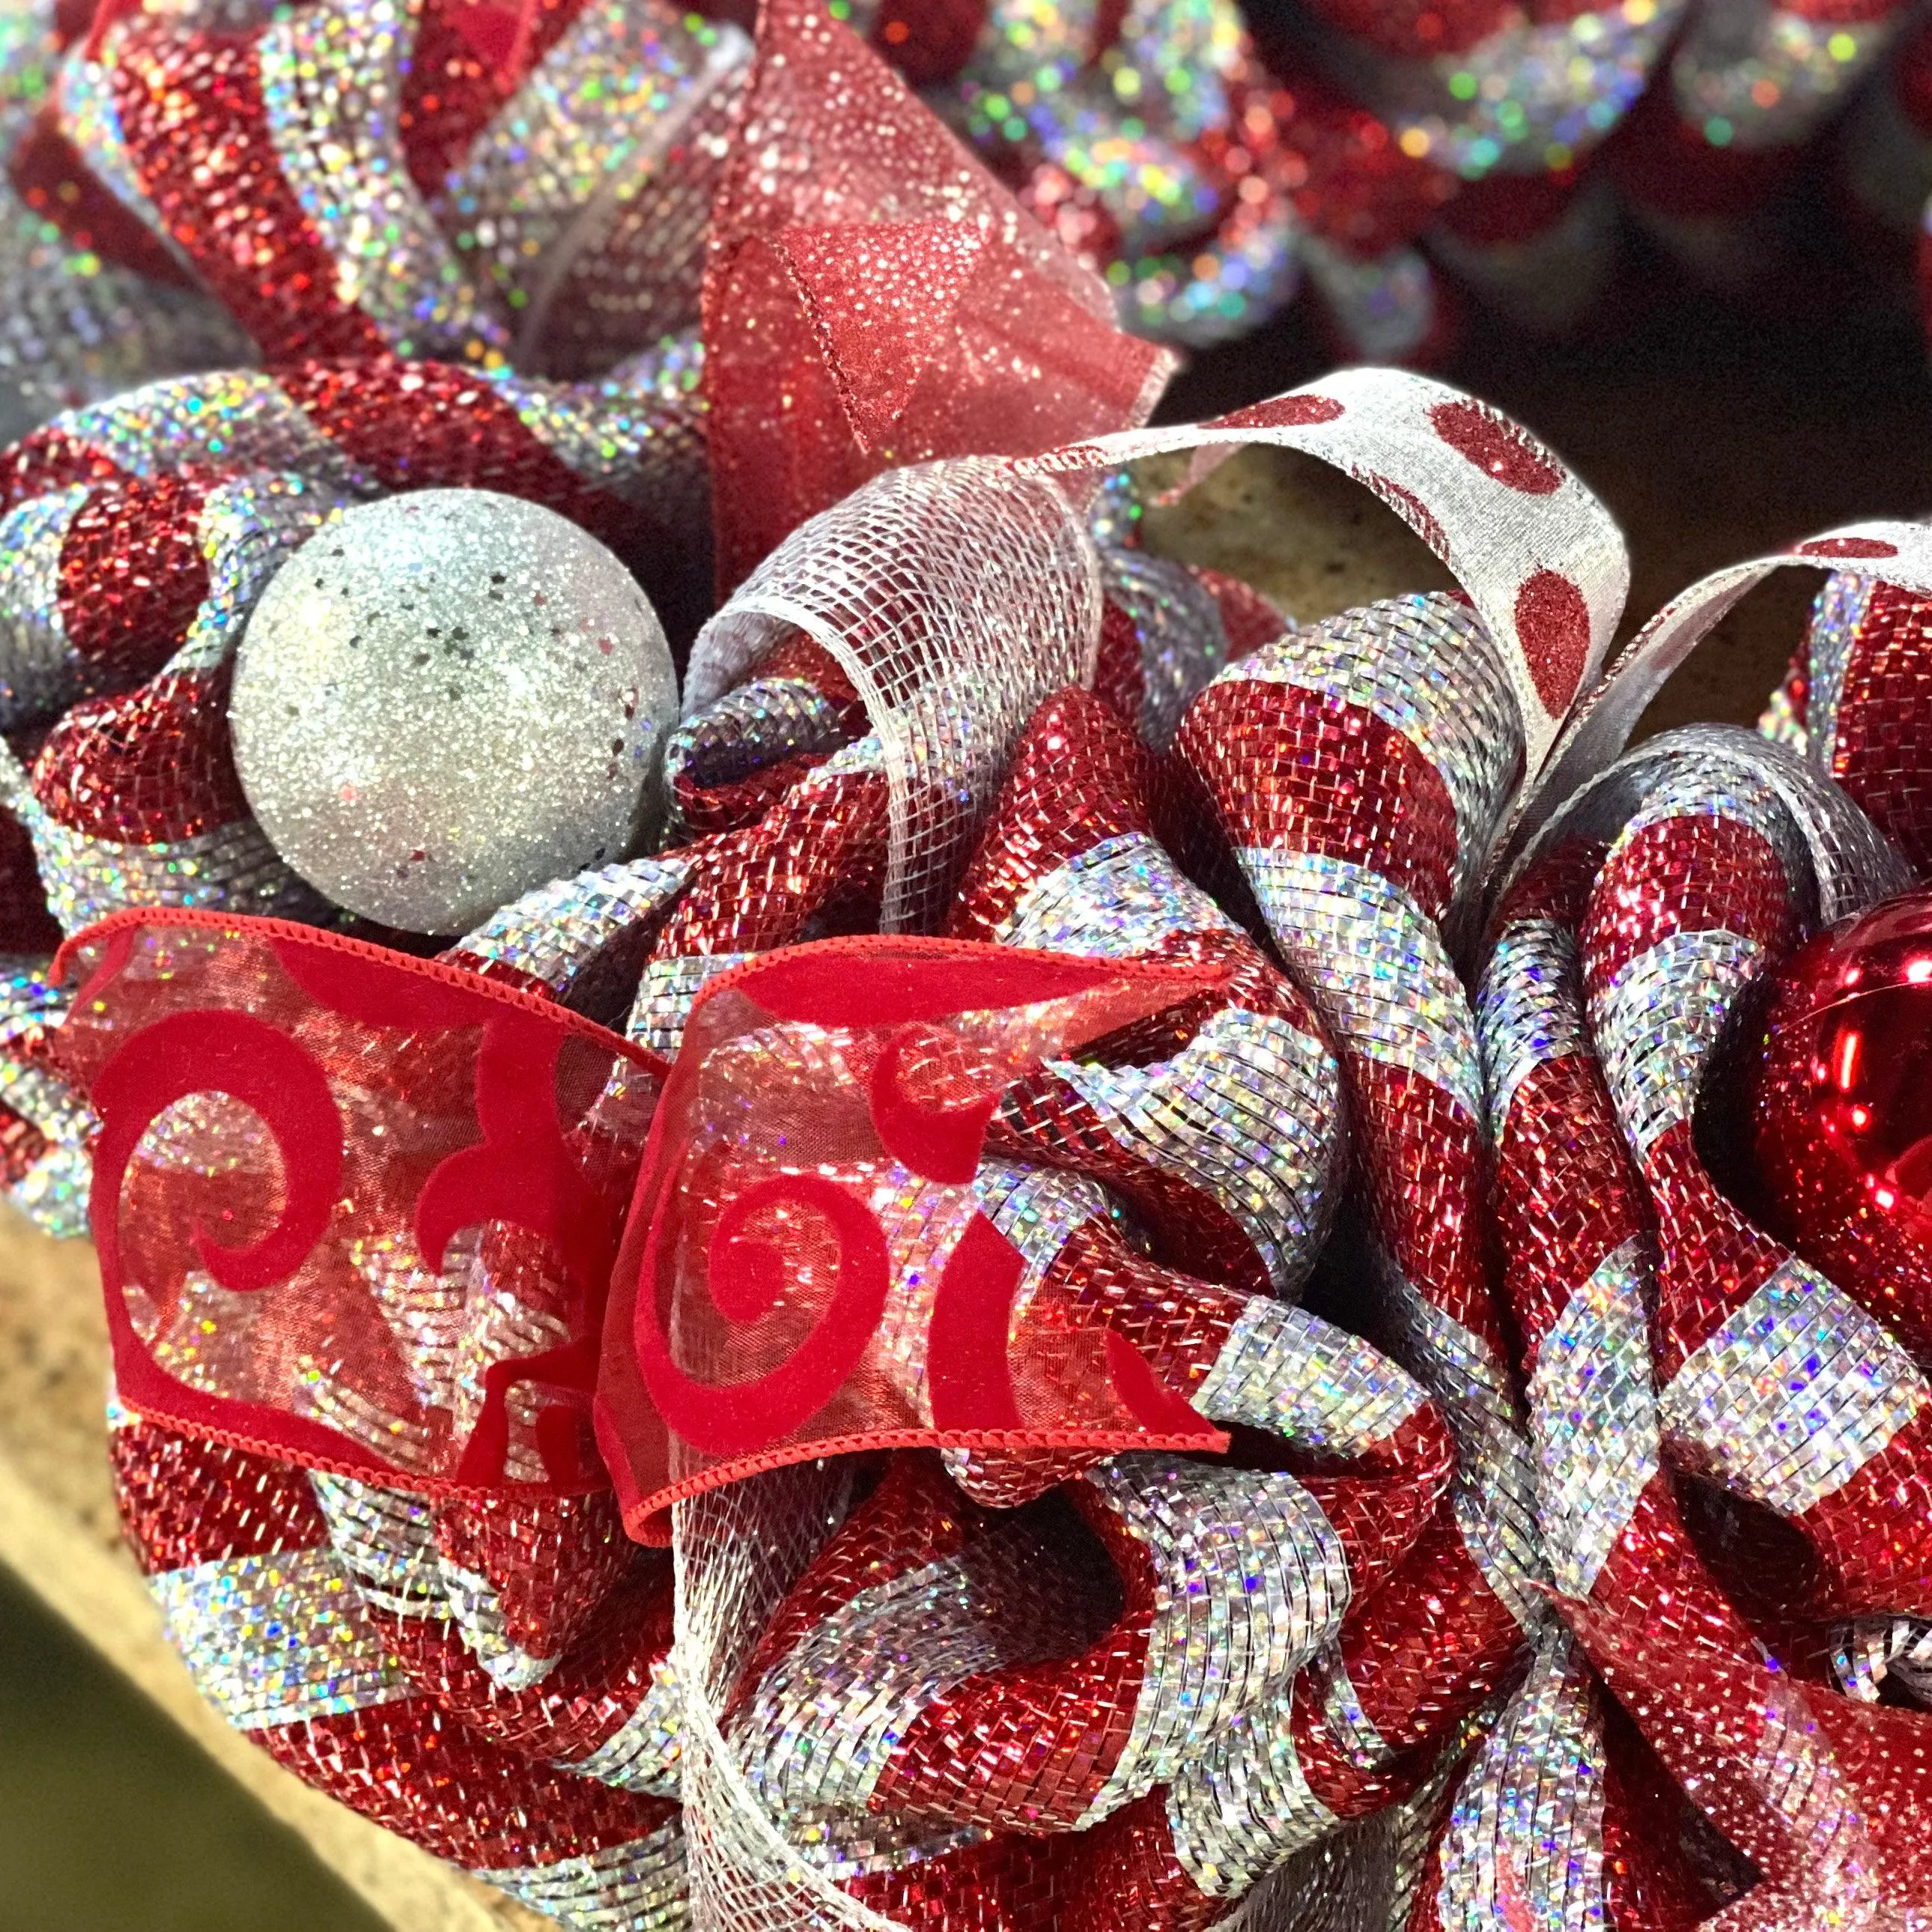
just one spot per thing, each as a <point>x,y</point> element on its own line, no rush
<point>54,1191</point>
<point>1873,1651</point>
<point>1495,1493</point>
<point>1657,1020</point>
<point>1116,900</point>
<point>642,1754</point>
<point>331,87</point>
<point>276,1639</point>
<point>1836,614</point>
<point>1248,1110</point>
<point>1284,1370</point>
<point>1183,644</point>
<point>1426,667</point>
<point>1538,94</point>
<point>1253,1580</point>
<point>1241,1803</point>
<point>1528,1822</point>
<point>945,591</point>
<point>1529,1009</point>
<point>1766,74</point>
<point>1376,965</point>
<point>541,185</point>
<point>636,432</point>
<point>41,672</point>
<point>73,328</point>
<point>559,933</point>
<point>1593,1420</point>
<point>1793,1394</point>
<point>636,1887</point>
<point>760,722</point>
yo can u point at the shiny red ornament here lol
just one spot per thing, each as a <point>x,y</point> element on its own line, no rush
<point>1842,1109</point>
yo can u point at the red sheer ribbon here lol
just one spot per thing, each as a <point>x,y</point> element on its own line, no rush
<point>353,1209</point>
<point>807,1269</point>
<point>873,297</point>
<point>361,1211</point>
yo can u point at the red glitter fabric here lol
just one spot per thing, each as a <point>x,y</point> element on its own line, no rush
<point>875,295</point>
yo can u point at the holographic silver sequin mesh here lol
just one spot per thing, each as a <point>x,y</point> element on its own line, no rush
<point>666,994</point>
<point>1247,1111</point>
<point>1793,1394</point>
<point>276,1639</point>
<point>1183,642</point>
<point>331,87</point>
<point>825,1718</point>
<point>1241,1803</point>
<point>1836,615</point>
<point>1873,1651</point>
<point>1374,962</point>
<point>1282,1369</point>
<point>756,723</point>
<point>1253,1580</point>
<point>642,1754</point>
<point>1593,1419</point>
<point>559,933</point>
<point>40,672</point>
<point>1527,1823</point>
<point>541,185</point>
<point>1116,900</point>
<point>1523,1016</point>
<point>1426,667</point>
<point>1765,74</point>
<point>234,869</point>
<point>639,1886</point>
<point>1540,95</point>
<point>1038,1209</point>
<point>1494,1496</point>
<point>1657,1021</point>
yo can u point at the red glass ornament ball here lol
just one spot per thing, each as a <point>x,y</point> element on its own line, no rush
<point>1841,1107</point>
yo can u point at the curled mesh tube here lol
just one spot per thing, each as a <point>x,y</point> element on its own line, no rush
<point>955,596</point>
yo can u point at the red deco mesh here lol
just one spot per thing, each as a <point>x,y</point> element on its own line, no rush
<point>353,1209</point>
<point>873,298</point>
<point>806,1269</point>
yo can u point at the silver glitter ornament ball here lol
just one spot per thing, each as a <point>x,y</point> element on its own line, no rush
<point>446,698</point>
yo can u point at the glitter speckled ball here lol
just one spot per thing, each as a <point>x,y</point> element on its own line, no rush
<point>446,698</point>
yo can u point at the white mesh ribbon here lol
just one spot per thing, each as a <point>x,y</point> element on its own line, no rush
<point>955,596</point>
<point>738,1550</point>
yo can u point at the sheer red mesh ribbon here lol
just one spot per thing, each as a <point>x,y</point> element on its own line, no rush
<point>353,1209</point>
<point>874,298</point>
<point>807,1269</point>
